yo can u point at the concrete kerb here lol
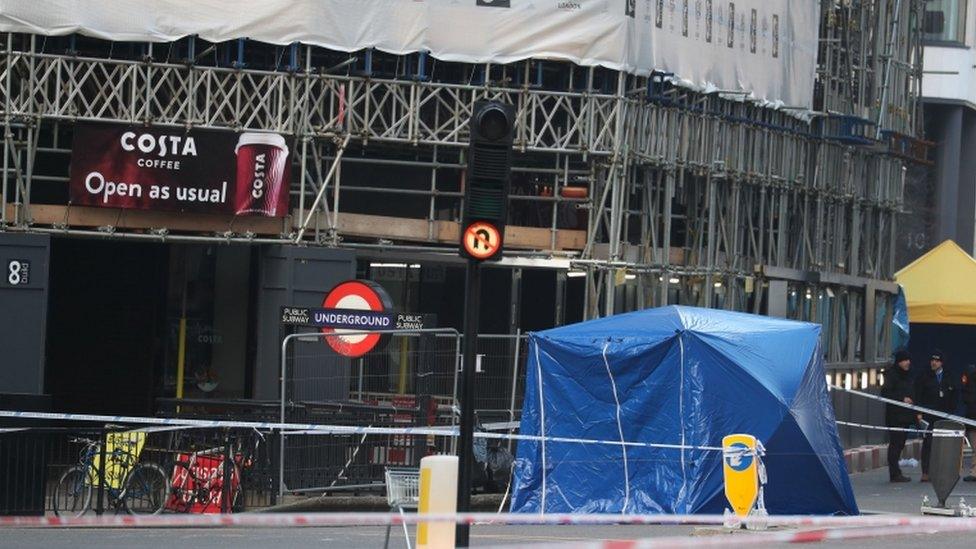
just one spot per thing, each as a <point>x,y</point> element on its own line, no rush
<point>297,504</point>
<point>867,458</point>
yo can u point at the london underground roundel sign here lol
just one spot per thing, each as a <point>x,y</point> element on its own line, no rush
<point>359,306</point>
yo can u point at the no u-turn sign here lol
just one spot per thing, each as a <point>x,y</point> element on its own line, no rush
<point>481,241</point>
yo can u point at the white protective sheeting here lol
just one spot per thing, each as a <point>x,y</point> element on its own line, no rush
<point>771,52</point>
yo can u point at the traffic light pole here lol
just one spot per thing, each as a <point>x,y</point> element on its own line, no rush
<point>472,297</point>
<point>487,184</point>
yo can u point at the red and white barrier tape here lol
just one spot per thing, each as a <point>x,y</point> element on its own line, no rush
<point>813,529</point>
<point>818,528</point>
<point>771,538</point>
<point>383,519</point>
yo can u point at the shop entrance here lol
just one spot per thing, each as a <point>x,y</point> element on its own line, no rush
<point>104,331</point>
<point>118,312</point>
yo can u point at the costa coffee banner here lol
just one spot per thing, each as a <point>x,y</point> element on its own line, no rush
<point>199,171</point>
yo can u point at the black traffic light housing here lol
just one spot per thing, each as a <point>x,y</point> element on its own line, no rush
<point>488,179</point>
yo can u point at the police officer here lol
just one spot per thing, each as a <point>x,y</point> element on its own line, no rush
<point>937,390</point>
<point>968,390</point>
<point>898,385</point>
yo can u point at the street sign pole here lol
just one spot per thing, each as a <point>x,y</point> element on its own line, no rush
<point>472,297</point>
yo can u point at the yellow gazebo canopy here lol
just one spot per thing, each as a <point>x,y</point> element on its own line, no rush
<point>940,286</point>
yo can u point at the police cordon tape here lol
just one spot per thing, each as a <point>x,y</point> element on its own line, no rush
<point>167,424</point>
<point>951,433</point>
<point>275,520</point>
<point>311,428</point>
<point>305,428</point>
<point>928,411</point>
<point>207,423</point>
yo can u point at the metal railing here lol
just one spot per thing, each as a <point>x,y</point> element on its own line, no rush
<point>72,468</point>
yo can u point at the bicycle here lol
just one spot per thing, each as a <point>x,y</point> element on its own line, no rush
<point>138,488</point>
<point>198,478</point>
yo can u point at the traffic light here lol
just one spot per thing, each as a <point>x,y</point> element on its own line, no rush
<point>488,180</point>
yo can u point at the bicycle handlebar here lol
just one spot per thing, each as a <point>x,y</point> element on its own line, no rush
<point>82,440</point>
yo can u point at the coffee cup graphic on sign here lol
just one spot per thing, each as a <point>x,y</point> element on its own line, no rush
<point>261,162</point>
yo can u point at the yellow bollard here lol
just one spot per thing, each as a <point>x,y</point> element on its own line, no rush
<point>438,496</point>
<point>741,471</point>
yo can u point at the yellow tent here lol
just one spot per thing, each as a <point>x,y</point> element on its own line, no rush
<point>940,286</point>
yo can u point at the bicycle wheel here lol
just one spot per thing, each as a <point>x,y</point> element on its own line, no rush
<point>146,490</point>
<point>72,496</point>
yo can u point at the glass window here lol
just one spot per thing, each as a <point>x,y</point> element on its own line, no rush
<point>944,21</point>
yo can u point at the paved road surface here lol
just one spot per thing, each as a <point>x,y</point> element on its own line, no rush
<point>874,494</point>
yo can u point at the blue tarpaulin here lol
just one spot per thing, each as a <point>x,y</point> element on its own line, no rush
<point>684,377</point>
<point>899,323</point>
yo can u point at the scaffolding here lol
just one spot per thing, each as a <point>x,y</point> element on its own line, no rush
<point>658,193</point>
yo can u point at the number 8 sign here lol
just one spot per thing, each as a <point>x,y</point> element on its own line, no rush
<point>18,272</point>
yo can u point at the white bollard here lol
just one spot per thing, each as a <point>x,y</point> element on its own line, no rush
<point>438,495</point>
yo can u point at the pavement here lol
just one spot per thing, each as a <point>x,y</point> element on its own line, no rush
<point>875,495</point>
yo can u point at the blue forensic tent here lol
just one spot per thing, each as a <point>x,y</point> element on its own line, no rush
<point>678,376</point>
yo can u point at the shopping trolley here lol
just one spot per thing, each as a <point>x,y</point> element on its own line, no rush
<point>402,492</point>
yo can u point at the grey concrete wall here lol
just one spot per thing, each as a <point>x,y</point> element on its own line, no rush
<point>778,301</point>
<point>966,195</point>
<point>23,313</point>
<point>947,175</point>
<point>298,276</point>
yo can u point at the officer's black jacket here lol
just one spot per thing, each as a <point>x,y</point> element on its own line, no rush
<point>898,384</point>
<point>931,394</point>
